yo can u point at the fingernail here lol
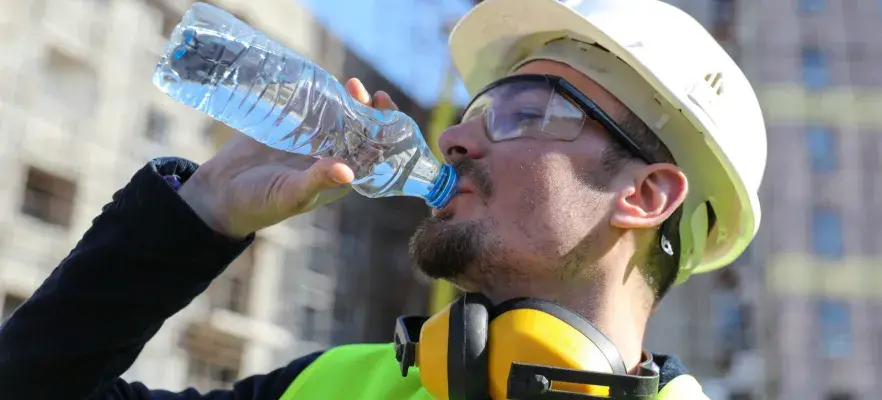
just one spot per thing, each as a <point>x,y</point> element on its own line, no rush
<point>337,178</point>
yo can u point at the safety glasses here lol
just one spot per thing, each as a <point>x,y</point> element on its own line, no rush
<point>546,107</point>
<point>541,107</point>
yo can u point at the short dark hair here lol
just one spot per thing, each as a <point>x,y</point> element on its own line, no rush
<point>661,269</point>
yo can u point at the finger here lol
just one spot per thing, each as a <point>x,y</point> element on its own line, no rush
<point>382,101</point>
<point>327,173</point>
<point>309,189</point>
<point>300,191</point>
<point>356,89</point>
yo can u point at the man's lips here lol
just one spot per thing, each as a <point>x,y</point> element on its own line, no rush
<point>448,209</point>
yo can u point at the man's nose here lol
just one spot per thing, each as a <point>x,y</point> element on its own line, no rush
<point>465,140</point>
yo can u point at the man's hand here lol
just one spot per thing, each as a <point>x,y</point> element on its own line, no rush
<point>248,186</point>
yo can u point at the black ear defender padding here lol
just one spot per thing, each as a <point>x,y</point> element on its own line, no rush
<point>467,347</point>
<point>574,319</point>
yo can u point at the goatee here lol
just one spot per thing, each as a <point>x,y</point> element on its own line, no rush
<point>446,250</point>
<point>443,249</point>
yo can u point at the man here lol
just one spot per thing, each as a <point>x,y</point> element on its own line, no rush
<point>616,151</point>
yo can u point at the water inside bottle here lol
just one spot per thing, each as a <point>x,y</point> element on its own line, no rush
<point>223,68</point>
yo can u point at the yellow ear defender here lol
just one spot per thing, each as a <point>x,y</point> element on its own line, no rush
<point>519,349</point>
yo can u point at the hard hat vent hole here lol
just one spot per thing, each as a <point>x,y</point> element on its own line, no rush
<point>716,82</point>
<point>711,217</point>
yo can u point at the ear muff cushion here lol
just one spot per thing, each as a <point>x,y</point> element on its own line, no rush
<point>467,347</point>
<point>572,318</point>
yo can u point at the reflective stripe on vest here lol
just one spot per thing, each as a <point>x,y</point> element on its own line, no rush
<point>370,372</point>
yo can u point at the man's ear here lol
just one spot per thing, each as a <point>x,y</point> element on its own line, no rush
<point>656,192</point>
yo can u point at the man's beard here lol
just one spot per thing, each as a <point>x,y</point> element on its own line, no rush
<point>449,250</point>
<point>469,251</point>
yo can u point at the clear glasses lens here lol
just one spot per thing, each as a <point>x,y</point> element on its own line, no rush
<point>527,109</point>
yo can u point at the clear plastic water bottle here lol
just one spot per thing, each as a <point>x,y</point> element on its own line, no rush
<point>225,68</point>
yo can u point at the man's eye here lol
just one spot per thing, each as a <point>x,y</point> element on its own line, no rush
<point>528,116</point>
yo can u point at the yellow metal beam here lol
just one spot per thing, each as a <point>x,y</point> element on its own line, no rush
<point>443,294</point>
<point>804,275</point>
<point>792,104</point>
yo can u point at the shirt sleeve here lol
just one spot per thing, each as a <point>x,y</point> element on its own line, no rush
<point>145,257</point>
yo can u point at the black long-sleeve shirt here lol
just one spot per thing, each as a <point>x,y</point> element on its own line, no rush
<point>146,256</point>
<point>144,259</point>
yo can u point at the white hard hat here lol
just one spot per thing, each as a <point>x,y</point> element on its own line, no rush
<point>671,73</point>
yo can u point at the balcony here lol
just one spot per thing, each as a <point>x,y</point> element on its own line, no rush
<point>214,357</point>
<point>242,328</point>
<point>803,275</point>
<point>44,131</point>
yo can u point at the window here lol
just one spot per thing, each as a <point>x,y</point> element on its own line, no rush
<point>70,84</point>
<point>834,326</point>
<point>49,198</point>
<point>322,260</point>
<point>308,328</point>
<point>732,321</point>
<point>10,304</point>
<point>232,289</point>
<point>827,233</point>
<point>724,11</point>
<point>207,376</point>
<point>821,149</point>
<point>815,74</point>
<point>157,126</point>
<point>213,357</point>
<point>811,5</point>
<point>724,19</point>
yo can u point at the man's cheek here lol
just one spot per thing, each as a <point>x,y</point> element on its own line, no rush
<point>515,204</point>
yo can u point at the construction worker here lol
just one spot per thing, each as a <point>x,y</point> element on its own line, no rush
<point>611,150</point>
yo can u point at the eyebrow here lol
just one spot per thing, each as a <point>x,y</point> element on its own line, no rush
<point>525,92</point>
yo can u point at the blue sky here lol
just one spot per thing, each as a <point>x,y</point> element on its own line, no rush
<point>403,39</point>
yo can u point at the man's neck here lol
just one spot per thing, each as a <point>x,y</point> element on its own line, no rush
<point>613,309</point>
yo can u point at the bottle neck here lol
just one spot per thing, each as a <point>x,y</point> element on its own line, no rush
<point>444,187</point>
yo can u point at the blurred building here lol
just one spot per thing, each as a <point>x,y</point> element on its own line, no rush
<point>817,64</point>
<point>795,317</point>
<point>79,115</point>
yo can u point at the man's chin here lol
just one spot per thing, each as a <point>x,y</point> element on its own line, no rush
<point>445,249</point>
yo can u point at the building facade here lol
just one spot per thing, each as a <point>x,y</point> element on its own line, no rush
<point>818,66</point>
<point>794,318</point>
<point>79,115</point>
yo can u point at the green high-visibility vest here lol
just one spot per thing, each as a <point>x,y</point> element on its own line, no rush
<point>370,372</point>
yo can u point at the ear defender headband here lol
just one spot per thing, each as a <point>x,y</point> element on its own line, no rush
<point>520,349</point>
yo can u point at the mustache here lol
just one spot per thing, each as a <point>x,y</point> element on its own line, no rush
<point>477,173</point>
